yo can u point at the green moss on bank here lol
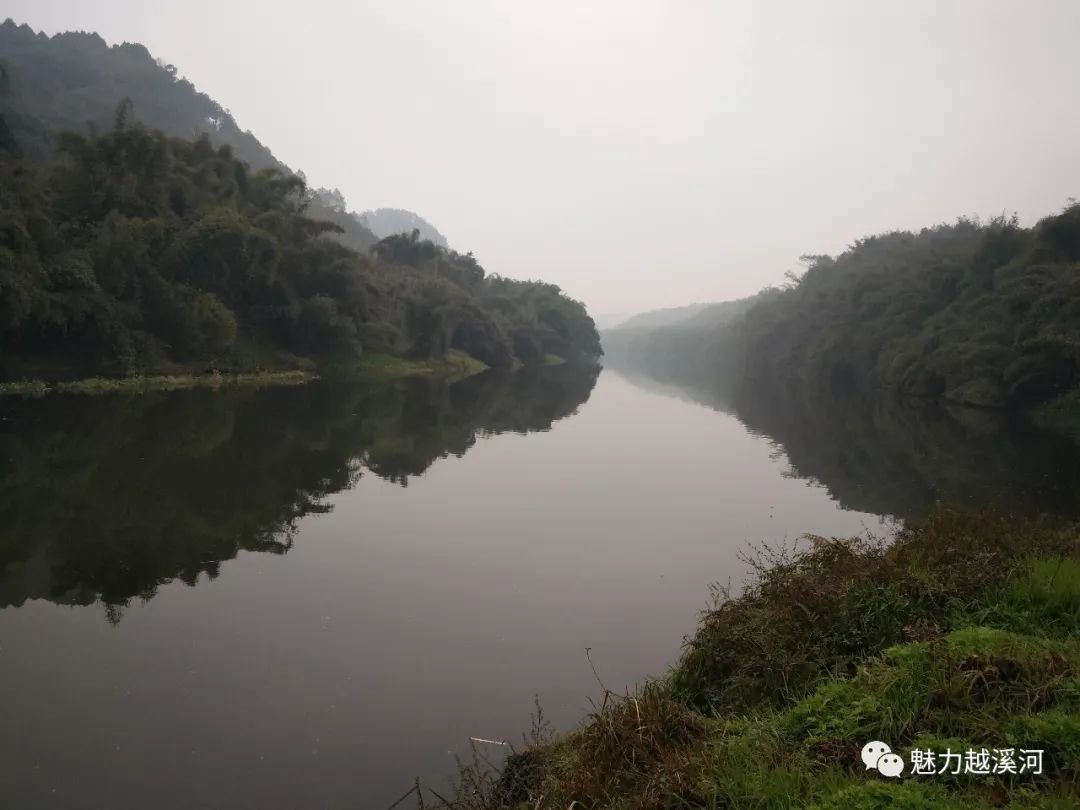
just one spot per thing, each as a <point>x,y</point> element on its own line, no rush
<point>455,365</point>
<point>963,632</point>
<point>141,384</point>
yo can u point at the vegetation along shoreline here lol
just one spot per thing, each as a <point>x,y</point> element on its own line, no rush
<point>454,366</point>
<point>958,632</point>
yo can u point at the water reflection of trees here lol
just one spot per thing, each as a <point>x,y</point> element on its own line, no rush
<point>890,457</point>
<point>108,498</point>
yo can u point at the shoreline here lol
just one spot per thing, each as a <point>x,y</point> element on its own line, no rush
<point>456,365</point>
<point>848,641</point>
<point>159,382</point>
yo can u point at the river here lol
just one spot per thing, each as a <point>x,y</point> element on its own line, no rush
<point>307,597</point>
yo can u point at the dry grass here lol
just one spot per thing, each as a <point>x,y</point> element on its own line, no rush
<point>645,745</point>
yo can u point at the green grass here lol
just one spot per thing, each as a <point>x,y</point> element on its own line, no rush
<point>456,365</point>
<point>962,632</point>
<point>975,687</point>
<point>141,384</point>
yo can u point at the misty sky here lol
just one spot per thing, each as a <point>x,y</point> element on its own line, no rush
<point>640,154</point>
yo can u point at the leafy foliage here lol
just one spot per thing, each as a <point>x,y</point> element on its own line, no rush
<point>133,250</point>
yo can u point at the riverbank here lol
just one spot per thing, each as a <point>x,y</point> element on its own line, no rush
<point>144,384</point>
<point>959,633</point>
<point>455,365</point>
<point>376,368</point>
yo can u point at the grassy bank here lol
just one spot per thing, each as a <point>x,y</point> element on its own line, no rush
<point>962,632</point>
<point>141,384</point>
<point>455,365</point>
<point>374,367</point>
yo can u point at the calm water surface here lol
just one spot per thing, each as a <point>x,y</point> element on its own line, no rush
<point>305,598</point>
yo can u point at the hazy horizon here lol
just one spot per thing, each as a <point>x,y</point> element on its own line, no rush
<point>640,155</point>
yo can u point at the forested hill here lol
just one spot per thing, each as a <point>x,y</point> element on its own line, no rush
<point>74,81</point>
<point>975,313</point>
<point>125,249</point>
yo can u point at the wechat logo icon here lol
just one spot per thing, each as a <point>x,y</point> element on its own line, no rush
<point>878,756</point>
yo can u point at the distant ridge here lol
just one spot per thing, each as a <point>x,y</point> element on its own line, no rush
<point>385,222</point>
<point>701,314</point>
<point>663,317</point>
